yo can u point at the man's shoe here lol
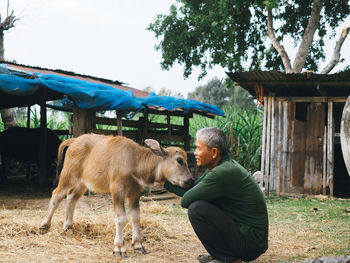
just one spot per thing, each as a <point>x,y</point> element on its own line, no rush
<point>205,258</point>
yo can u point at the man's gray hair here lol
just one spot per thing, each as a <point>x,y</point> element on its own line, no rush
<point>214,137</point>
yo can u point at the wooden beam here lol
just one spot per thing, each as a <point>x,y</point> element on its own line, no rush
<point>172,113</point>
<point>312,99</point>
<point>291,84</point>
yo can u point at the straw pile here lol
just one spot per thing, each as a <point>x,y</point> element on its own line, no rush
<point>168,235</point>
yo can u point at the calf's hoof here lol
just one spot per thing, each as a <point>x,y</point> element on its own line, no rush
<point>142,250</point>
<point>120,254</point>
<point>44,229</point>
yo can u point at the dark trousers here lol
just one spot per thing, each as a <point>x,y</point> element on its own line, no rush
<point>218,233</point>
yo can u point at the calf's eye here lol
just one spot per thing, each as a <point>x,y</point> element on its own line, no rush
<point>180,161</point>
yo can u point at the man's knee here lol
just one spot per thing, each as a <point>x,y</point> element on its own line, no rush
<point>197,209</point>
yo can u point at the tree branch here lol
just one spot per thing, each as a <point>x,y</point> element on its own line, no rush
<point>308,36</point>
<point>336,53</point>
<point>276,44</point>
<point>9,22</point>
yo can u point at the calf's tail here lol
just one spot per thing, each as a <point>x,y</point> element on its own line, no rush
<point>60,157</point>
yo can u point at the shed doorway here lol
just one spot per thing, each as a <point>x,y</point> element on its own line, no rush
<point>341,177</point>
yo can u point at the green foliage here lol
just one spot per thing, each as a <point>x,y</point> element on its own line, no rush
<point>246,126</point>
<point>231,32</point>
<point>53,122</point>
<point>168,92</point>
<point>222,93</point>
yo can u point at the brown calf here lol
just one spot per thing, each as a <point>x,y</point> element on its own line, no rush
<point>116,165</point>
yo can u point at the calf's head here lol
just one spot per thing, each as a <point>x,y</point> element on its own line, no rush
<point>173,166</point>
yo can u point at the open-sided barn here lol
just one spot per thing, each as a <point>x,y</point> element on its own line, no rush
<point>301,151</point>
<point>23,86</point>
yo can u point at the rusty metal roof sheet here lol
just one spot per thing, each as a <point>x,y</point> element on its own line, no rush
<point>115,84</point>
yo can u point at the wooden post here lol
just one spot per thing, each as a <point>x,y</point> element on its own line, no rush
<point>330,149</point>
<point>187,133</point>
<point>146,124</point>
<point>43,169</point>
<point>263,143</point>
<point>273,139</point>
<point>28,126</point>
<point>119,123</point>
<point>82,121</point>
<point>268,145</point>
<point>28,117</point>
<point>279,149</point>
<point>169,128</point>
<point>324,171</point>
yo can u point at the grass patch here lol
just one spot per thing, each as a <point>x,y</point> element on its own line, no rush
<point>309,227</point>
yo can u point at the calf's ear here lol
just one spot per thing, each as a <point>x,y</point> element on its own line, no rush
<point>156,147</point>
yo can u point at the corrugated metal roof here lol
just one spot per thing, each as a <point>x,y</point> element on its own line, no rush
<point>295,84</point>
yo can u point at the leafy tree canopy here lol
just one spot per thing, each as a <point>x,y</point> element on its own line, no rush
<point>231,32</point>
<point>222,93</point>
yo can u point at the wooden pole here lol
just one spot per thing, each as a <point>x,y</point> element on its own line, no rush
<point>279,149</point>
<point>330,149</point>
<point>43,167</point>
<point>263,142</point>
<point>231,140</point>
<point>187,133</point>
<point>28,126</point>
<point>82,121</point>
<point>169,128</point>
<point>273,139</point>
<point>268,146</point>
<point>324,171</point>
<point>28,117</point>
<point>119,123</point>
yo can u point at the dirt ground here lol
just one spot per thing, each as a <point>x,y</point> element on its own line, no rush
<point>168,235</point>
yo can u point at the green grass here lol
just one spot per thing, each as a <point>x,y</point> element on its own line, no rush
<point>312,227</point>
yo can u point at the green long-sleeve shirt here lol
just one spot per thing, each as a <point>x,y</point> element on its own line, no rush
<point>231,188</point>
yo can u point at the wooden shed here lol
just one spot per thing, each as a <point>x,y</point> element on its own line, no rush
<point>301,151</point>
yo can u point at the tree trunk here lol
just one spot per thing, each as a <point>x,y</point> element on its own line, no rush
<point>8,118</point>
<point>308,36</point>
<point>336,54</point>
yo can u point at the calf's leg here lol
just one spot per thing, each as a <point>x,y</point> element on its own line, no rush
<point>134,204</point>
<point>120,220</point>
<point>72,198</point>
<point>57,195</point>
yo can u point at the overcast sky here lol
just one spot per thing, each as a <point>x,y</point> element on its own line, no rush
<point>105,38</point>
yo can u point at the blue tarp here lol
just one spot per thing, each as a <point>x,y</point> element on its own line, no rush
<point>90,95</point>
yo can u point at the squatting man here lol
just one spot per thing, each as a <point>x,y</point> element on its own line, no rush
<point>226,207</point>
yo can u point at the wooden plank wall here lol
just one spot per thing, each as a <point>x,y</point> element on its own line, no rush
<point>298,155</point>
<point>315,123</point>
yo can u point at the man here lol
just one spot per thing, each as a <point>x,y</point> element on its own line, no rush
<point>226,207</point>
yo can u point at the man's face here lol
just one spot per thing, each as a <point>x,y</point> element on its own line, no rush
<point>205,156</point>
